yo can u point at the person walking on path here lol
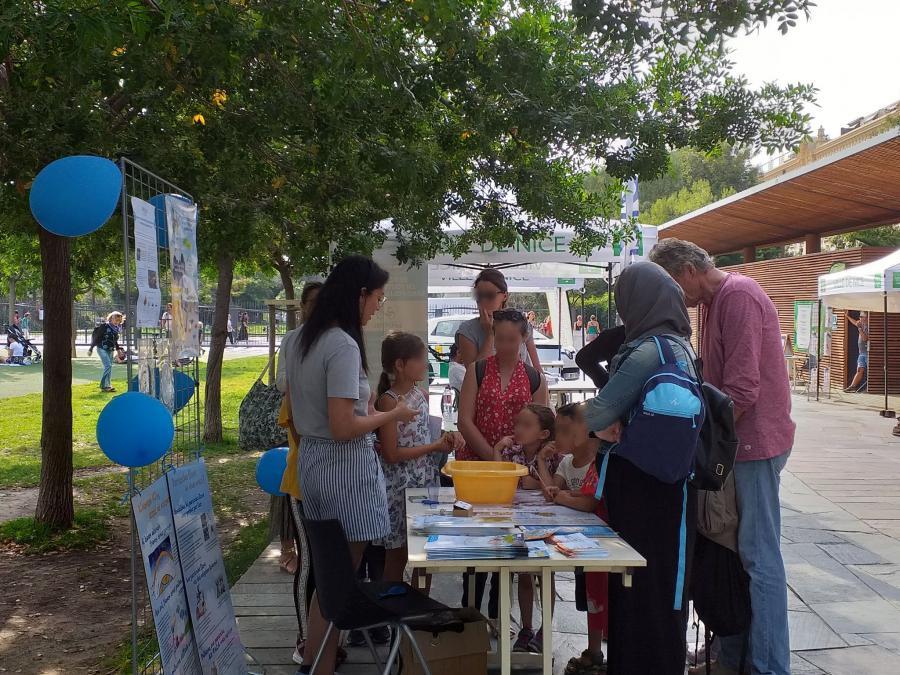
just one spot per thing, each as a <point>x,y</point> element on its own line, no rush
<point>105,339</point>
<point>229,330</point>
<point>742,355</point>
<point>26,324</point>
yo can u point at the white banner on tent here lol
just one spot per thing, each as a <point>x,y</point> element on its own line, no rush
<point>866,287</point>
<point>554,248</point>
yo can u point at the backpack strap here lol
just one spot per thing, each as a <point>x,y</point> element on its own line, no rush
<point>480,368</point>
<point>534,377</point>
<point>666,353</point>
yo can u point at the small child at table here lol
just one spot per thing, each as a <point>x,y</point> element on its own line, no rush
<point>531,446</point>
<point>574,486</point>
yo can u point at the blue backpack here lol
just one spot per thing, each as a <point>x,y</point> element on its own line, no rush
<point>661,436</point>
<point>663,429</point>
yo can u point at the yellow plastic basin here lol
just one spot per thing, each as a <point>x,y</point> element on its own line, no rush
<point>485,482</point>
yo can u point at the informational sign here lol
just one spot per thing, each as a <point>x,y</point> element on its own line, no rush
<point>146,263</point>
<point>205,580</point>
<point>181,217</point>
<point>165,585</point>
<point>450,278</point>
<point>803,324</point>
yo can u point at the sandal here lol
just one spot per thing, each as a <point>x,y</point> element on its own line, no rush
<point>288,563</point>
<point>584,665</point>
<point>340,658</point>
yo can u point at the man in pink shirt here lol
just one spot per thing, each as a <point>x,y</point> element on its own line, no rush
<point>740,345</point>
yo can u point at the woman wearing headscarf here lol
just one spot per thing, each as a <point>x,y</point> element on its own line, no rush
<point>648,621</point>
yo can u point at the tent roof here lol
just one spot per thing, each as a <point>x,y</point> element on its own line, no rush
<point>864,287</point>
<point>853,189</point>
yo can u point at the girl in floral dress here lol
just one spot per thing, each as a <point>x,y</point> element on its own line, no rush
<point>409,457</point>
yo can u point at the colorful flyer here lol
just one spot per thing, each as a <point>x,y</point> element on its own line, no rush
<point>212,614</point>
<point>146,263</point>
<point>181,217</point>
<point>165,585</point>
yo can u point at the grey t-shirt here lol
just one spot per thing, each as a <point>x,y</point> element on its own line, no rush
<point>331,369</point>
<point>472,330</point>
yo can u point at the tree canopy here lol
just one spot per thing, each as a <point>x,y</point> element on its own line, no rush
<point>308,125</point>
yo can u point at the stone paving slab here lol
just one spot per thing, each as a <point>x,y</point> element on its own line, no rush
<point>870,660</point>
<point>808,632</point>
<point>859,616</point>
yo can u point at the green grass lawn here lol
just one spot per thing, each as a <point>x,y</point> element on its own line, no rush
<point>20,432</point>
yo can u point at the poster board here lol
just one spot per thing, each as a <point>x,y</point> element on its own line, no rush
<point>165,583</point>
<point>181,218</point>
<point>146,264</point>
<point>804,319</point>
<point>205,580</point>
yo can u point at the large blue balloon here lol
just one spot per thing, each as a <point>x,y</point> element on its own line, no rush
<point>76,195</point>
<point>159,201</point>
<point>184,387</point>
<point>135,429</point>
<point>270,470</point>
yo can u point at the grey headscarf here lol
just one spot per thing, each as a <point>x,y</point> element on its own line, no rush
<point>650,302</point>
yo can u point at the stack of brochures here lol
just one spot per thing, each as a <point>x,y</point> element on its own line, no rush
<point>578,546</point>
<point>459,526</point>
<point>497,547</point>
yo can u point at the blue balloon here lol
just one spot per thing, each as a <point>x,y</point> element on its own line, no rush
<point>159,201</point>
<point>270,470</point>
<point>184,387</point>
<point>135,429</point>
<point>76,195</point>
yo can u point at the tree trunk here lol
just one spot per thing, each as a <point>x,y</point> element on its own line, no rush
<point>74,331</point>
<point>13,282</point>
<point>212,423</point>
<point>287,281</point>
<point>55,504</point>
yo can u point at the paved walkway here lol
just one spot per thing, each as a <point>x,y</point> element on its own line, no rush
<point>841,543</point>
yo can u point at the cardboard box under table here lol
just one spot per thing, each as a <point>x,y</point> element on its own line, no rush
<point>622,560</point>
<point>449,652</point>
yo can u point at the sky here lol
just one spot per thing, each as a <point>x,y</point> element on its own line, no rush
<point>847,48</point>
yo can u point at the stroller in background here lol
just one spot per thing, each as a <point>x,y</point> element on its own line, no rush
<point>30,350</point>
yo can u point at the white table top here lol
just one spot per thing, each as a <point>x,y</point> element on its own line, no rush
<point>621,556</point>
<point>573,386</point>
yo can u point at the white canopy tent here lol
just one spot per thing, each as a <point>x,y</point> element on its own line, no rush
<point>548,259</point>
<point>873,287</point>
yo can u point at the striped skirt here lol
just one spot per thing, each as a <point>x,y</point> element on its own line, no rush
<point>343,480</point>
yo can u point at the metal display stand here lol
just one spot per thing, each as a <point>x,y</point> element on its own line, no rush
<point>139,182</point>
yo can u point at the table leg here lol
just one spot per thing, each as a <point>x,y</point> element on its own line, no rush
<point>503,637</point>
<point>470,581</point>
<point>547,618</point>
<point>626,577</point>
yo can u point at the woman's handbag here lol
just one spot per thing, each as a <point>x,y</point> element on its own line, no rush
<point>258,428</point>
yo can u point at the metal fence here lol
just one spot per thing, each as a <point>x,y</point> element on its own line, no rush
<point>88,315</point>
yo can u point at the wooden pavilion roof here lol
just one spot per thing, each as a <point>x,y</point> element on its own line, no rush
<point>854,189</point>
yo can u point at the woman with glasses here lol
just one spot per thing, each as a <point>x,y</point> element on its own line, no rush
<point>328,393</point>
<point>476,336</point>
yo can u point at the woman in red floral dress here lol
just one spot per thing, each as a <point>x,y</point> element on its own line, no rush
<point>488,410</point>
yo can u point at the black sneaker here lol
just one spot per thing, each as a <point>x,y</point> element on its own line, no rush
<point>355,638</point>
<point>381,635</point>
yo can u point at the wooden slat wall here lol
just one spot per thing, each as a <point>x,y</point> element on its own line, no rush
<point>788,279</point>
<point>876,353</point>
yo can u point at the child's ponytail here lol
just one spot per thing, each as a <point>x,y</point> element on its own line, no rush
<point>397,346</point>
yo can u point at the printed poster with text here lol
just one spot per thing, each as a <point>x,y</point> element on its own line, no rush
<point>165,586</point>
<point>181,217</point>
<point>146,263</point>
<point>215,627</point>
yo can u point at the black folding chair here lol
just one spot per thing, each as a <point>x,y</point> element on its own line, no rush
<point>350,604</point>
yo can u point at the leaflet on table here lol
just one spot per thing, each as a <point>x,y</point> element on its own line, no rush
<point>553,515</point>
<point>578,546</point>
<point>165,586</point>
<point>593,531</point>
<point>146,264</point>
<point>215,628</point>
<point>449,547</point>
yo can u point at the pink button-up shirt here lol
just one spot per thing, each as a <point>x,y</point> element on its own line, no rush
<point>742,355</point>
